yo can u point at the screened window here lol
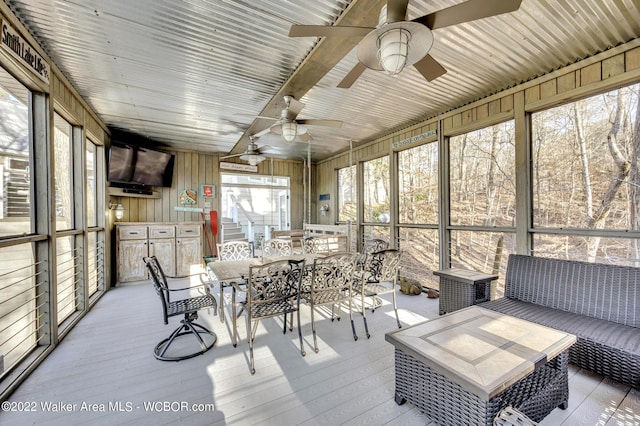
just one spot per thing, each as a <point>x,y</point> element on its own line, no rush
<point>418,184</point>
<point>63,173</point>
<point>90,167</point>
<point>347,194</point>
<point>376,190</point>
<point>420,255</point>
<point>16,187</point>
<point>482,173</point>
<point>585,174</point>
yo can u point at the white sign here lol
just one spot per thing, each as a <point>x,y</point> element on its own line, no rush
<point>188,209</point>
<point>416,138</point>
<point>238,166</point>
<point>20,49</point>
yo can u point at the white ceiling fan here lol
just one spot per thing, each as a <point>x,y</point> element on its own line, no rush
<point>290,127</point>
<point>397,43</point>
<point>253,155</point>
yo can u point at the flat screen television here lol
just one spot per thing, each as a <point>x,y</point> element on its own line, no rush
<point>138,167</point>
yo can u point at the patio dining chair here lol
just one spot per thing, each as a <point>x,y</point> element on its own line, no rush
<point>315,245</point>
<point>373,245</point>
<point>188,307</point>
<point>273,289</point>
<point>331,280</point>
<point>378,276</point>
<point>277,247</point>
<point>230,250</point>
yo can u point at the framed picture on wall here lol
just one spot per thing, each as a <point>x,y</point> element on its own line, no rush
<point>187,197</point>
<point>208,191</point>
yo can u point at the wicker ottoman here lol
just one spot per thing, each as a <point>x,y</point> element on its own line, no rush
<point>461,288</point>
<point>463,368</point>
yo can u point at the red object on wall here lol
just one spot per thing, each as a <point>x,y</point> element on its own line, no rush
<point>213,220</point>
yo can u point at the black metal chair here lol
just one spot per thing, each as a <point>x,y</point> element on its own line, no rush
<point>378,276</point>
<point>188,307</point>
<point>273,289</point>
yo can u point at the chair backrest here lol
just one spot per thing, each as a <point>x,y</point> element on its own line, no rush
<point>325,244</point>
<point>333,272</point>
<point>278,247</point>
<point>374,244</point>
<point>382,266</point>
<point>235,250</point>
<point>159,283</point>
<point>273,283</point>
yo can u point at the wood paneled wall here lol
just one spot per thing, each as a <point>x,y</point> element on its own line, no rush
<point>195,168</point>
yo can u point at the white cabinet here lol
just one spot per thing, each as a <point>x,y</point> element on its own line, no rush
<point>188,249</point>
<point>132,246</point>
<point>178,247</point>
<point>162,244</point>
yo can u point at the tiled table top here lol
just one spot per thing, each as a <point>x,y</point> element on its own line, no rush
<point>483,351</point>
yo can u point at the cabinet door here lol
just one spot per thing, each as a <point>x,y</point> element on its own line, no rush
<point>165,250</point>
<point>188,256</point>
<point>131,267</point>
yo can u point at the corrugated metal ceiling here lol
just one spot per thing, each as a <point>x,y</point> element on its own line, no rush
<point>183,72</point>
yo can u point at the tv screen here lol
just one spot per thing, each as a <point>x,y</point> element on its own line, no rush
<point>139,166</point>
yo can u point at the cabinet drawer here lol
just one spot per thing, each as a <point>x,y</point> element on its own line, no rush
<point>132,232</point>
<point>188,230</point>
<point>162,231</point>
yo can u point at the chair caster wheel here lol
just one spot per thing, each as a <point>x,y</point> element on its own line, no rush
<point>316,350</point>
<point>355,338</point>
<point>253,371</point>
<point>368,336</point>
<point>303,353</point>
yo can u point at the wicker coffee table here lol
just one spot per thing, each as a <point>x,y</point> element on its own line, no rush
<point>464,367</point>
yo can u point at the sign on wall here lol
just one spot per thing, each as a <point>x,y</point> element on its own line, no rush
<point>187,197</point>
<point>238,166</point>
<point>208,191</point>
<point>18,47</point>
<point>425,135</point>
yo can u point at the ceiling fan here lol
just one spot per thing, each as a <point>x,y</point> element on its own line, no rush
<point>253,154</point>
<point>397,43</point>
<point>289,126</point>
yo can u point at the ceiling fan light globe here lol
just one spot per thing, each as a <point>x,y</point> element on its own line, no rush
<point>393,50</point>
<point>289,130</point>
<point>253,159</point>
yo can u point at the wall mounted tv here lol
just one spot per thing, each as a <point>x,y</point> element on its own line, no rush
<point>139,168</point>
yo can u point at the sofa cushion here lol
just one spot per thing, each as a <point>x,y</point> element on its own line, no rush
<point>617,336</point>
<point>607,292</point>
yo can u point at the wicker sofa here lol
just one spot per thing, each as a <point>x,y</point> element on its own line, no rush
<point>598,303</point>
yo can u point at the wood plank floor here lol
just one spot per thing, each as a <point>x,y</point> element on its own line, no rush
<point>107,360</point>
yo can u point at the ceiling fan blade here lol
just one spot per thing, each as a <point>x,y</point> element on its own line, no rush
<point>240,114</point>
<point>429,68</point>
<point>352,76</point>
<point>305,137</point>
<point>231,156</point>
<point>468,11</point>
<point>328,31</point>
<point>262,132</point>
<point>397,10</point>
<point>295,106</point>
<point>325,123</point>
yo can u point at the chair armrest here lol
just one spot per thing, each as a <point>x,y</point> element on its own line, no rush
<point>204,285</point>
<point>236,286</point>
